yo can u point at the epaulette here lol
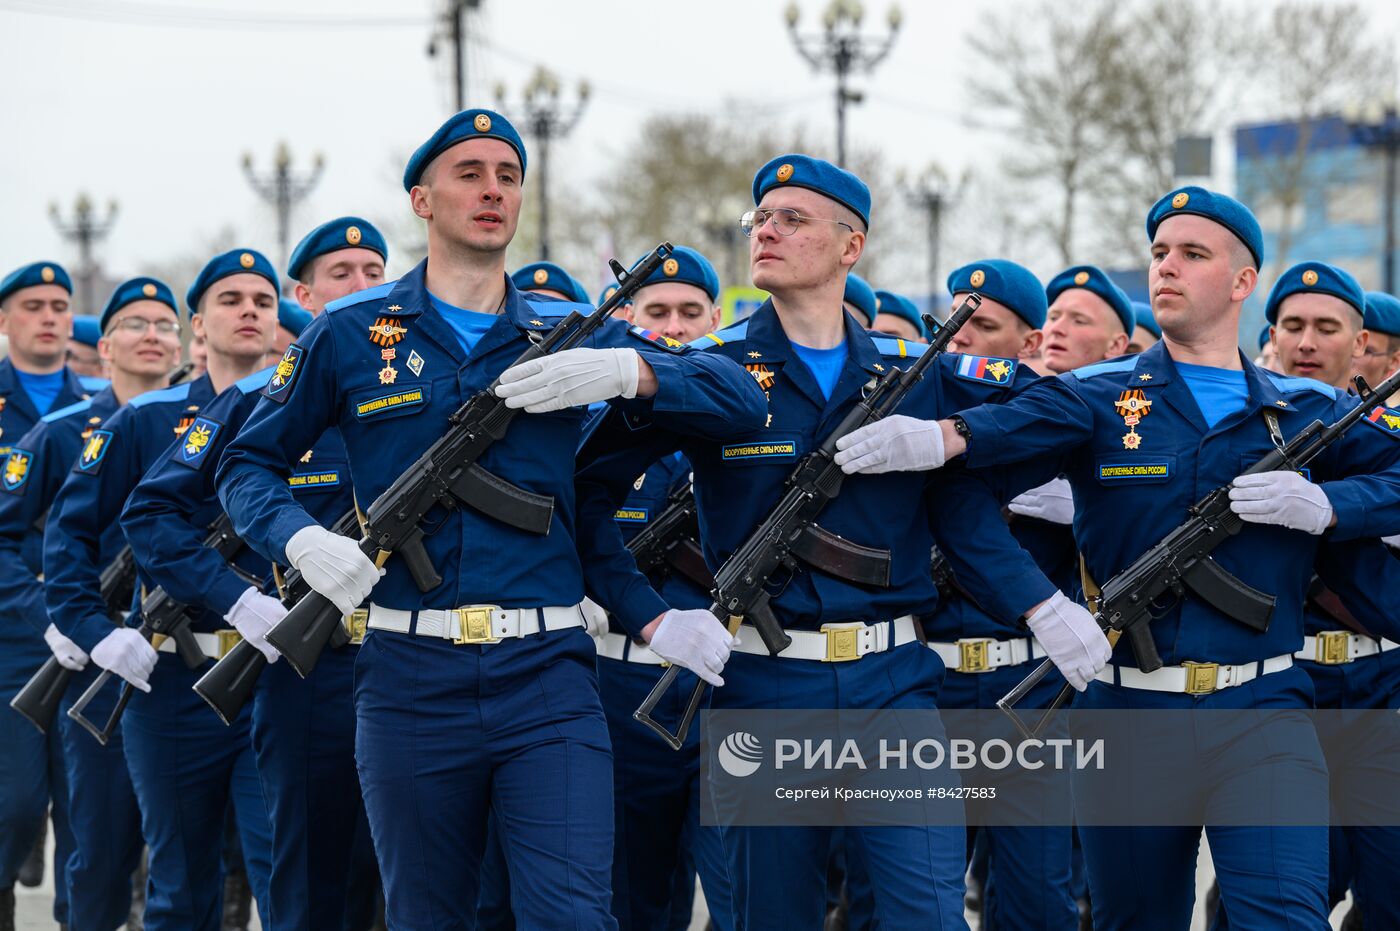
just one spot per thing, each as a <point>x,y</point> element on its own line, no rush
<point>552,309</point>
<point>1111,367</point>
<point>1287,384</point>
<point>359,297</point>
<point>987,369</point>
<point>898,348</point>
<point>256,381</point>
<point>51,416</point>
<point>728,334</point>
<point>92,383</point>
<point>174,393</point>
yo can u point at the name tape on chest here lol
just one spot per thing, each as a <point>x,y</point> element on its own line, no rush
<point>784,449</point>
<point>399,400</point>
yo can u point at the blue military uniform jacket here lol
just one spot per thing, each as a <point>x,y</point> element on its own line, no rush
<point>1131,493</point>
<point>167,514</point>
<point>92,497</point>
<point>334,377</point>
<point>738,481</point>
<point>648,499</point>
<point>30,477</point>
<point>18,414</point>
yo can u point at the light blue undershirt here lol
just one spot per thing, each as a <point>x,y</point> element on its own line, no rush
<point>42,389</point>
<point>1218,392</point>
<point>825,365</point>
<point>469,325</point>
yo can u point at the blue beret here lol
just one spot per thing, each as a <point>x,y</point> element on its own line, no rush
<point>86,330</point>
<point>541,276</point>
<point>1142,312</point>
<point>688,267</point>
<point>1315,277</point>
<point>1096,282</point>
<point>1219,208</point>
<point>292,317</point>
<point>1264,336</point>
<point>1382,313</point>
<point>469,124</point>
<point>332,236</point>
<point>887,302</point>
<point>606,293</point>
<point>862,296</point>
<point>138,289</point>
<point>233,262</point>
<point>27,276</point>
<point>1006,283</point>
<point>814,175</point>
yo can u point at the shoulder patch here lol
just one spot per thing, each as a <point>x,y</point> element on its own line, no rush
<point>378,292</point>
<point>68,411</point>
<point>899,348</point>
<point>728,334</point>
<point>1111,367</point>
<point>665,342</point>
<point>198,439</point>
<point>279,386</point>
<point>1386,419</point>
<point>256,381</point>
<point>15,475</point>
<point>1290,385</point>
<point>174,393</point>
<point>94,451</point>
<point>983,368</point>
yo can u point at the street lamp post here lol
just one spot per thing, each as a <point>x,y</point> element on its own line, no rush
<point>546,117</point>
<point>930,192</point>
<point>283,189</point>
<point>86,230</point>
<point>454,22</point>
<point>1377,127</point>
<point>842,49</point>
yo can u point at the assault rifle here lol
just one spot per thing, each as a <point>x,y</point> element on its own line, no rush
<point>790,533</point>
<point>449,474</point>
<point>167,619</point>
<point>1182,562</point>
<point>668,544</point>
<point>38,701</point>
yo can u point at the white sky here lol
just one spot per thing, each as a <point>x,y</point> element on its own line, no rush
<point>153,102</point>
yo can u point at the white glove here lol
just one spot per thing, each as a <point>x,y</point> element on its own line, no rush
<point>333,565</point>
<point>570,378</point>
<point>595,619</point>
<point>1071,638</point>
<point>695,640</point>
<point>254,614</point>
<point>125,653</point>
<point>892,444</point>
<point>68,653</point>
<point>1392,541</point>
<point>1284,498</point>
<point>1052,501</point>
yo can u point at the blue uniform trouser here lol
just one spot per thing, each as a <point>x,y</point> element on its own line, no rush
<point>303,733</point>
<point>656,793</point>
<point>778,874</point>
<point>32,772</point>
<point>446,733</point>
<point>103,812</point>
<point>1365,858</point>
<point>186,766</point>
<point>1143,878</point>
<point>1028,870</point>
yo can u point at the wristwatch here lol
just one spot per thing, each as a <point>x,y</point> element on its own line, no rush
<point>962,428</point>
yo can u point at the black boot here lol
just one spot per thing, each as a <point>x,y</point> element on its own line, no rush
<point>7,909</point>
<point>238,902</point>
<point>31,873</point>
<point>136,918</point>
<point>1352,922</point>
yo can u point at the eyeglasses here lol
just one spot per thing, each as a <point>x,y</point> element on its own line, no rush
<point>785,220</point>
<point>137,326</point>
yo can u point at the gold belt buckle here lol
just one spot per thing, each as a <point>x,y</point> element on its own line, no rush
<point>842,643</point>
<point>228,639</point>
<point>974,655</point>
<point>1332,647</point>
<point>356,623</point>
<point>474,624</point>
<point>1200,677</point>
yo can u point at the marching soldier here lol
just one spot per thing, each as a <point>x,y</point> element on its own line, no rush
<point>1089,319</point>
<point>83,357</point>
<point>1382,325</point>
<point>302,730</point>
<point>1186,417</point>
<point>185,766</point>
<point>549,279</point>
<point>897,316</point>
<point>813,359</point>
<point>1010,330</point>
<point>860,301</point>
<point>479,694</point>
